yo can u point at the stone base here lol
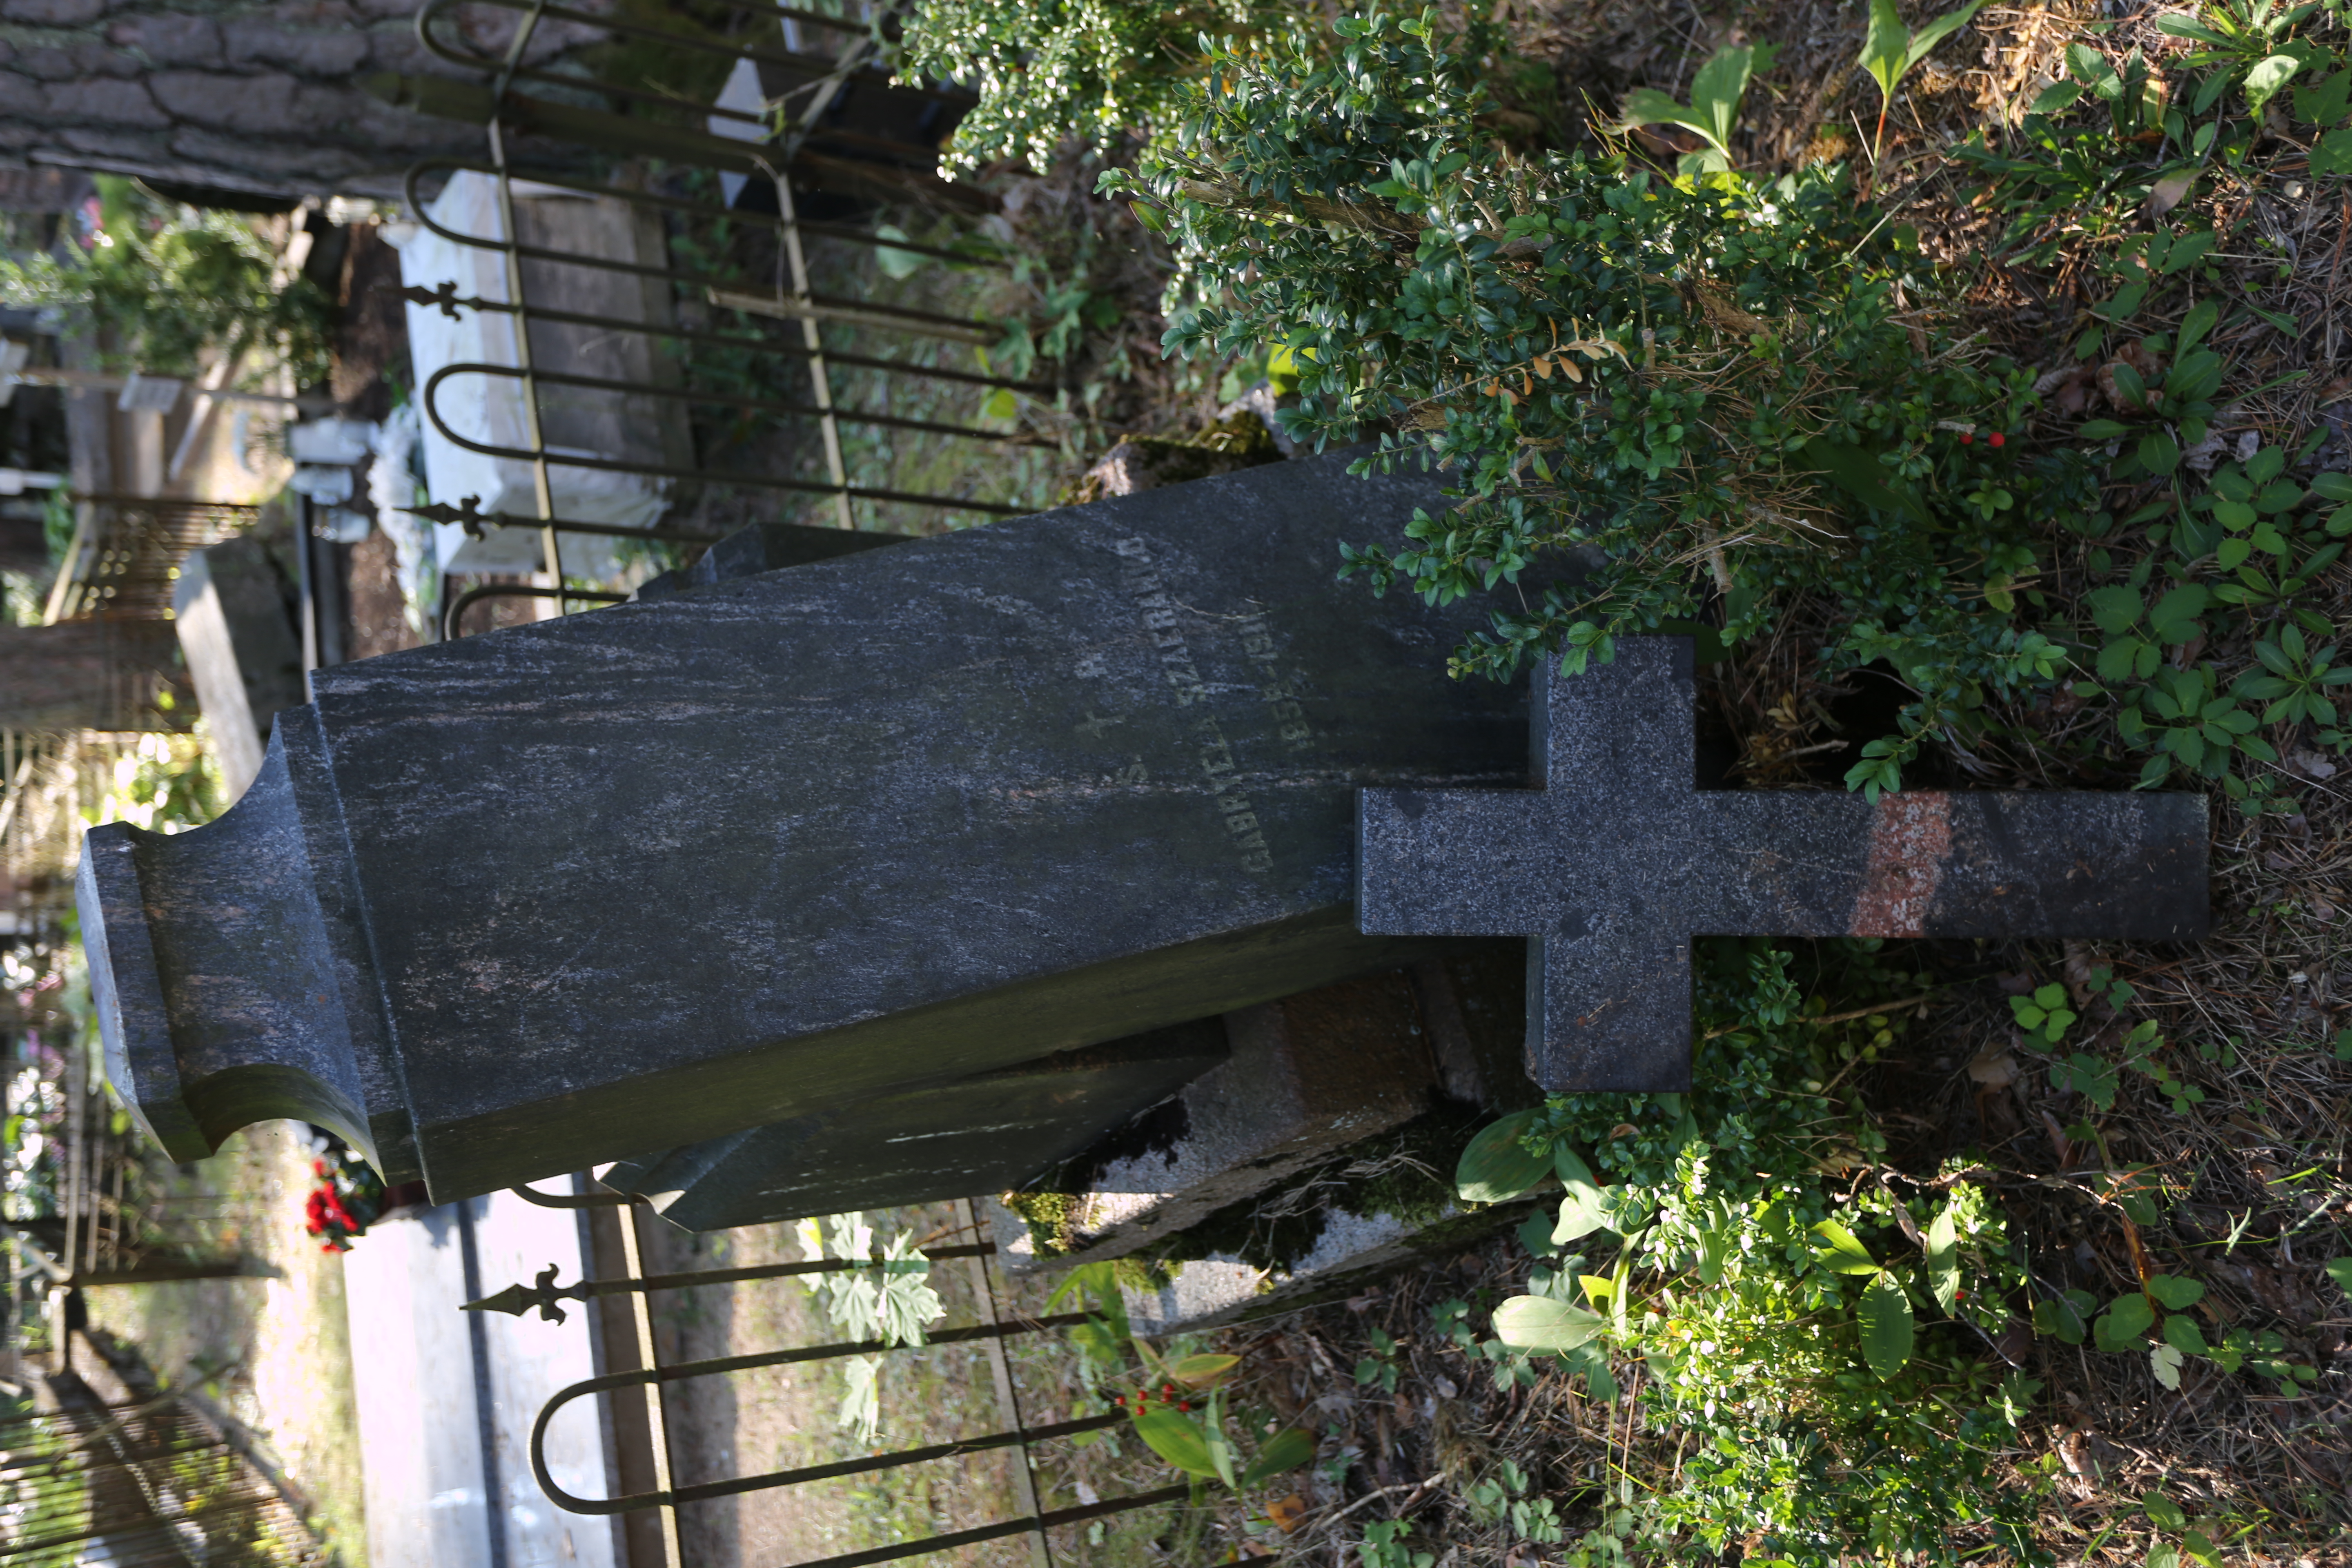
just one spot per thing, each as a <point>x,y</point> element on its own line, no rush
<point>1312,1078</point>
<point>1308,1075</point>
<point>1351,1252</point>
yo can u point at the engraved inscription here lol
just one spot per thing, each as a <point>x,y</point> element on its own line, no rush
<point>1281,692</point>
<point>1233,800</point>
<point>1142,583</point>
<point>1160,613</point>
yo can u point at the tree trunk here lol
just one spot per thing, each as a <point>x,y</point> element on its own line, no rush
<point>87,675</point>
<point>248,96</point>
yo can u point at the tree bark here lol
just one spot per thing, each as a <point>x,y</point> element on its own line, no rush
<point>257,96</point>
<point>87,674</point>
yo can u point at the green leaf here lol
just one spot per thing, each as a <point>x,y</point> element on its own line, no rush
<point>1716,89</point>
<point>1285,1450</point>
<point>2181,1332</point>
<point>1497,1167</point>
<point>2325,103</point>
<point>2062,1318</point>
<point>1887,1330</point>
<point>2200,319</point>
<point>2091,68</point>
<point>2056,97</point>
<point>1944,1258</point>
<point>2176,1292</point>
<point>1647,106</point>
<point>1937,31</point>
<point>1177,1438</point>
<point>1857,471</point>
<point>2182,26</point>
<point>2173,619</point>
<point>1541,1323</point>
<point>2340,1269</point>
<point>2331,156</point>
<point>1212,1437</point>
<point>2123,1323</point>
<point>2263,81</point>
<point>2115,610</point>
<point>1581,1214</point>
<point>1843,1254</point>
<point>1887,46</point>
<point>1570,1166</point>
<point>2165,1362</point>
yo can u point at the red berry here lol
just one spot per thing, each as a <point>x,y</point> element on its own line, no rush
<point>1998,439</point>
<point>1186,1406</point>
<point>1967,437</point>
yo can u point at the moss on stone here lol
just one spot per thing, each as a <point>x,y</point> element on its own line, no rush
<point>1048,1215</point>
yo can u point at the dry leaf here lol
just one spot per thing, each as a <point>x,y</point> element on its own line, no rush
<point>2168,193</point>
<point>1286,1513</point>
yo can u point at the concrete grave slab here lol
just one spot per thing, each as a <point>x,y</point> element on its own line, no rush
<point>1308,1075</point>
<point>1351,1251</point>
<point>237,630</point>
<point>446,1398</point>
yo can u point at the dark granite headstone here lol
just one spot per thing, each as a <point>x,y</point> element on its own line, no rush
<point>1619,860</point>
<point>509,906</point>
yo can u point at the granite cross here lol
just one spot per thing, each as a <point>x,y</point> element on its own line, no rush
<point>1617,860</point>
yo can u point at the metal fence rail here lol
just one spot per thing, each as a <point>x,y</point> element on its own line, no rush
<point>551,108</point>
<point>127,550</point>
<point>991,1331</point>
<point>147,1482</point>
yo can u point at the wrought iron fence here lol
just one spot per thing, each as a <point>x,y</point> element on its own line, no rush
<point>991,1330</point>
<point>136,1483</point>
<point>543,125</point>
<point>126,552</point>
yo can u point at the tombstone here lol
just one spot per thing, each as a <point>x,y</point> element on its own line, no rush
<point>511,906</point>
<point>1617,860</point>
